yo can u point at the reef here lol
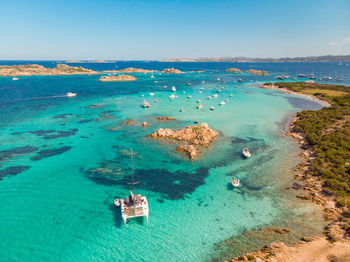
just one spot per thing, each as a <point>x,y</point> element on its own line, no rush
<point>234,70</point>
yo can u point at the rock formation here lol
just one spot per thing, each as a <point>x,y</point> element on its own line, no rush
<point>234,70</point>
<point>34,69</point>
<point>257,72</point>
<point>200,135</point>
<point>130,70</point>
<point>117,78</point>
<point>163,118</point>
<point>172,71</point>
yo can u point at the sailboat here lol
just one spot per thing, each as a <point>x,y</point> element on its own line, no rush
<point>133,205</point>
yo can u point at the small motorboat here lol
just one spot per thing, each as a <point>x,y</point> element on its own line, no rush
<point>219,91</point>
<point>231,95</point>
<point>199,106</point>
<point>203,82</point>
<point>188,84</point>
<point>15,78</point>
<point>235,182</point>
<point>182,110</point>
<point>173,88</point>
<point>142,95</point>
<point>199,101</point>
<point>202,88</point>
<point>226,100</point>
<point>246,153</point>
<point>209,97</point>
<point>222,103</point>
<point>184,92</point>
<point>156,81</point>
<point>215,95</point>
<point>117,202</point>
<point>189,96</point>
<point>152,76</point>
<point>172,97</point>
<point>145,104</point>
<point>218,79</point>
<point>240,80</point>
<point>69,94</point>
<point>165,87</point>
<point>151,94</point>
<point>196,121</point>
<point>212,108</point>
<point>199,92</point>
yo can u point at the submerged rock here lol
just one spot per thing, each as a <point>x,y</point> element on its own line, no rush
<point>190,150</point>
<point>117,78</point>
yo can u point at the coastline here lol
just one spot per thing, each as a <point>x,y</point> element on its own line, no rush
<point>333,244</point>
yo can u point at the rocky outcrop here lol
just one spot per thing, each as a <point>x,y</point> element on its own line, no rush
<point>257,72</point>
<point>195,135</point>
<point>130,70</point>
<point>34,69</point>
<point>172,71</point>
<point>200,135</point>
<point>164,118</point>
<point>129,122</point>
<point>234,70</point>
<point>117,78</point>
<point>190,150</point>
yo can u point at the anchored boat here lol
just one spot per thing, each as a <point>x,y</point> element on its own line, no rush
<point>133,205</point>
<point>235,182</point>
<point>246,153</point>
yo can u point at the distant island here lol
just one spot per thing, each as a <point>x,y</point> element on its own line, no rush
<point>89,61</point>
<point>34,69</point>
<point>241,59</point>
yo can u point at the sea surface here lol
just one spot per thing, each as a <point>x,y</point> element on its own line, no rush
<point>63,161</point>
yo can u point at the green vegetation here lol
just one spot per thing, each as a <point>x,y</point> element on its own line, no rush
<point>328,133</point>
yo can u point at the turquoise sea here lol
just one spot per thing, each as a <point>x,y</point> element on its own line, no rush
<point>56,207</point>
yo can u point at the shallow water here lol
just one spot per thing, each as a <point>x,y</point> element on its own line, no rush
<point>54,208</point>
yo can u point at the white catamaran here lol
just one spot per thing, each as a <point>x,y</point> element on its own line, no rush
<point>133,205</point>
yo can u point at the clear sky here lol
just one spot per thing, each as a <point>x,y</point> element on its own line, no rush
<point>136,30</point>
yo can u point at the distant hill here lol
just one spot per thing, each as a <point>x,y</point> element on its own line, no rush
<point>326,58</point>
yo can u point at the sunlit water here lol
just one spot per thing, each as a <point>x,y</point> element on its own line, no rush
<point>53,208</point>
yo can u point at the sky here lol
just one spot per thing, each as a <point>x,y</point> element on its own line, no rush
<point>150,30</point>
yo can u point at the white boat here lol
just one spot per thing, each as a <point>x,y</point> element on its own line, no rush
<point>173,88</point>
<point>309,81</point>
<point>302,75</point>
<point>182,110</point>
<point>15,78</point>
<point>145,104</point>
<point>226,100</point>
<point>235,182</point>
<point>156,81</point>
<point>142,95</point>
<point>69,94</point>
<point>212,108</point>
<point>183,92</point>
<point>246,153</point>
<point>133,205</point>
<point>165,86</point>
<point>209,97</point>
<point>199,92</point>
<point>152,76</point>
<point>231,95</point>
<point>188,84</point>
<point>189,96</point>
<point>202,88</point>
<point>199,101</point>
<point>196,121</point>
<point>151,94</point>
<point>203,82</point>
<point>172,97</point>
<point>199,106</point>
<point>219,91</point>
<point>215,95</point>
<point>222,103</point>
<point>218,79</point>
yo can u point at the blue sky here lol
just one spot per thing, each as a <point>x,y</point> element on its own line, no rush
<point>106,29</point>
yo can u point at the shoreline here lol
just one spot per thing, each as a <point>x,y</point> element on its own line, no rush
<point>333,243</point>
